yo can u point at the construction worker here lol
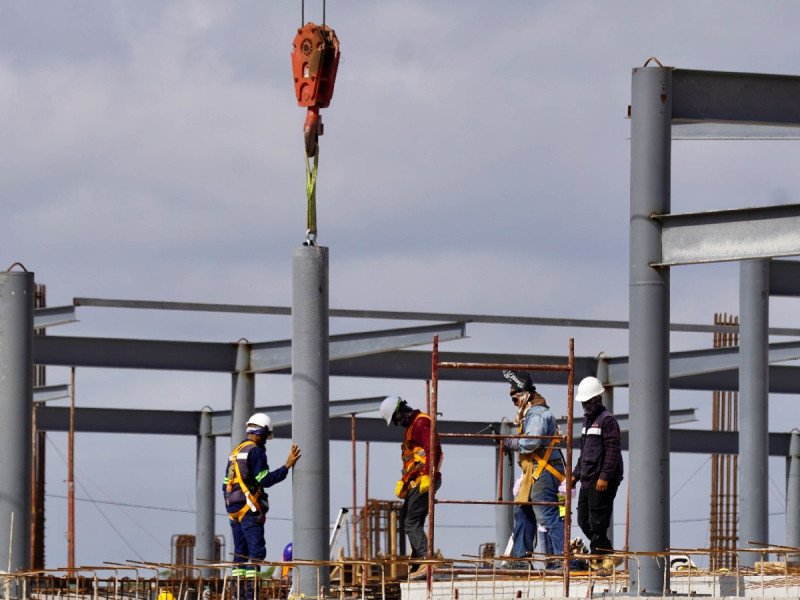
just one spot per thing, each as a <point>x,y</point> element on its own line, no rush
<point>414,484</point>
<point>247,476</point>
<point>599,470</point>
<point>542,471</point>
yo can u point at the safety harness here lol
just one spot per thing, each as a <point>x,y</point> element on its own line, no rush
<point>414,460</point>
<point>531,471</point>
<point>234,477</point>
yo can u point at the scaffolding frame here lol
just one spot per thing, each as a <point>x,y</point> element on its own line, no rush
<point>569,368</point>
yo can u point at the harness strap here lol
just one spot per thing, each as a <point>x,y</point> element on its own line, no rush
<point>544,463</point>
<point>251,500</point>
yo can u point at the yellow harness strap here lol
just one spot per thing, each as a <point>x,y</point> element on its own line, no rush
<point>543,463</point>
<point>251,501</point>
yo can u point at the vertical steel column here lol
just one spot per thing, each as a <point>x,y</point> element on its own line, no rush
<point>753,406</point>
<point>651,106</point>
<point>793,493</point>
<point>504,513</point>
<point>310,426</point>
<point>16,403</point>
<point>244,394</point>
<point>205,492</point>
<point>608,402</point>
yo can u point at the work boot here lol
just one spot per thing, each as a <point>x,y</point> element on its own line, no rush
<point>608,564</point>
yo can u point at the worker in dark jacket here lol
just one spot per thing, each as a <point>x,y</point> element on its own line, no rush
<point>599,469</point>
<point>247,476</point>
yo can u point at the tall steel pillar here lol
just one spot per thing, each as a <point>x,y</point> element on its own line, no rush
<point>793,493</point>
<point>16,406</point>
<point>244,394</point>
<point>310,426</point>
<point>753,407</point>
<point>504,513</point>
<point>651,106</point>
<point>608,402</point>
<point>205,492</point>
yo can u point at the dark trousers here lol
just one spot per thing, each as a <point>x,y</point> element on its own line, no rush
<point>594,514</point>
<point>248,544</point>
<point>412,516</point>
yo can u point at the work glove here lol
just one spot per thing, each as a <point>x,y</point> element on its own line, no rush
<point>424,484</point>
<point>400,489</point>
<point>511,444</point>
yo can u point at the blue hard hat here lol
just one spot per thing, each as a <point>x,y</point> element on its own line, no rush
<point>287,552</point>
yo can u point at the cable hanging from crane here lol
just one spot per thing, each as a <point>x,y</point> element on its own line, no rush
<point>315,60</point>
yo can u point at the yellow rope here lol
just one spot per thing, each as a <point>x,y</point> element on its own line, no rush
<point>311,194</point>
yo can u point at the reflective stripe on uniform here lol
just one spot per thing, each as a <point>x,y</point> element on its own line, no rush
<point>591,431</point>
<point>261,475</point>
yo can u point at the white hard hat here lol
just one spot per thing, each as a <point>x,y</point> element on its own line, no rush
<point>261,421</point>
<point>588,388</point>
<point>389,406</point>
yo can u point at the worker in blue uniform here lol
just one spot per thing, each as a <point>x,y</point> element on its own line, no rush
<point>247,476</point>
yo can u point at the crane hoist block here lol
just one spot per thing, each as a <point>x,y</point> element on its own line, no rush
<point>315,60</point>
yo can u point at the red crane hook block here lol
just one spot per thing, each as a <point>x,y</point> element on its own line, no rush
<point>315,60</point>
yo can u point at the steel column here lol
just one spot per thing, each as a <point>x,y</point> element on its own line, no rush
<point>651,107</point>
<point>504,479</point>
<point>310,482</point>
<point>793,493</point>
<point>16,401</point>
<point>244,394</point>
<point>753,407</point>
<point>205,492</point>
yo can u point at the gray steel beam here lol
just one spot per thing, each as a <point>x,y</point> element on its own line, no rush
<point>793,492</point>
<point>687,130</point>
<point>784,278</point>
<point>116,420</point>
<point>282,415</point>
<point>782,380</point>
<point>134,354</point>
<point>310,423</point>
<point>46,393</point>
<point>55,315</point>
<point>746,98</point>
<point>91,420</point>
<point>411,316</point>
<point>16,395</point>
<point>651,113</point>
<point>173,422</point>
<point>205,494</point>
<point>696,362</point>
<point>726,235</point>
<point>753,407</point>
<point>415,364</point>
<point>274,356</point>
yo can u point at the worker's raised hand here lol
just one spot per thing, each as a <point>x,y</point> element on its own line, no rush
<point>602,485</point>
<point>294,455</point>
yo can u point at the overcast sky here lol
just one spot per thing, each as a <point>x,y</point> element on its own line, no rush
<point>475,159</point>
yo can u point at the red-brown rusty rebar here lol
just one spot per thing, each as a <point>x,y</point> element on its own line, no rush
<point>432,468</point>
<point>354,543</point>
<point>71,476</point>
